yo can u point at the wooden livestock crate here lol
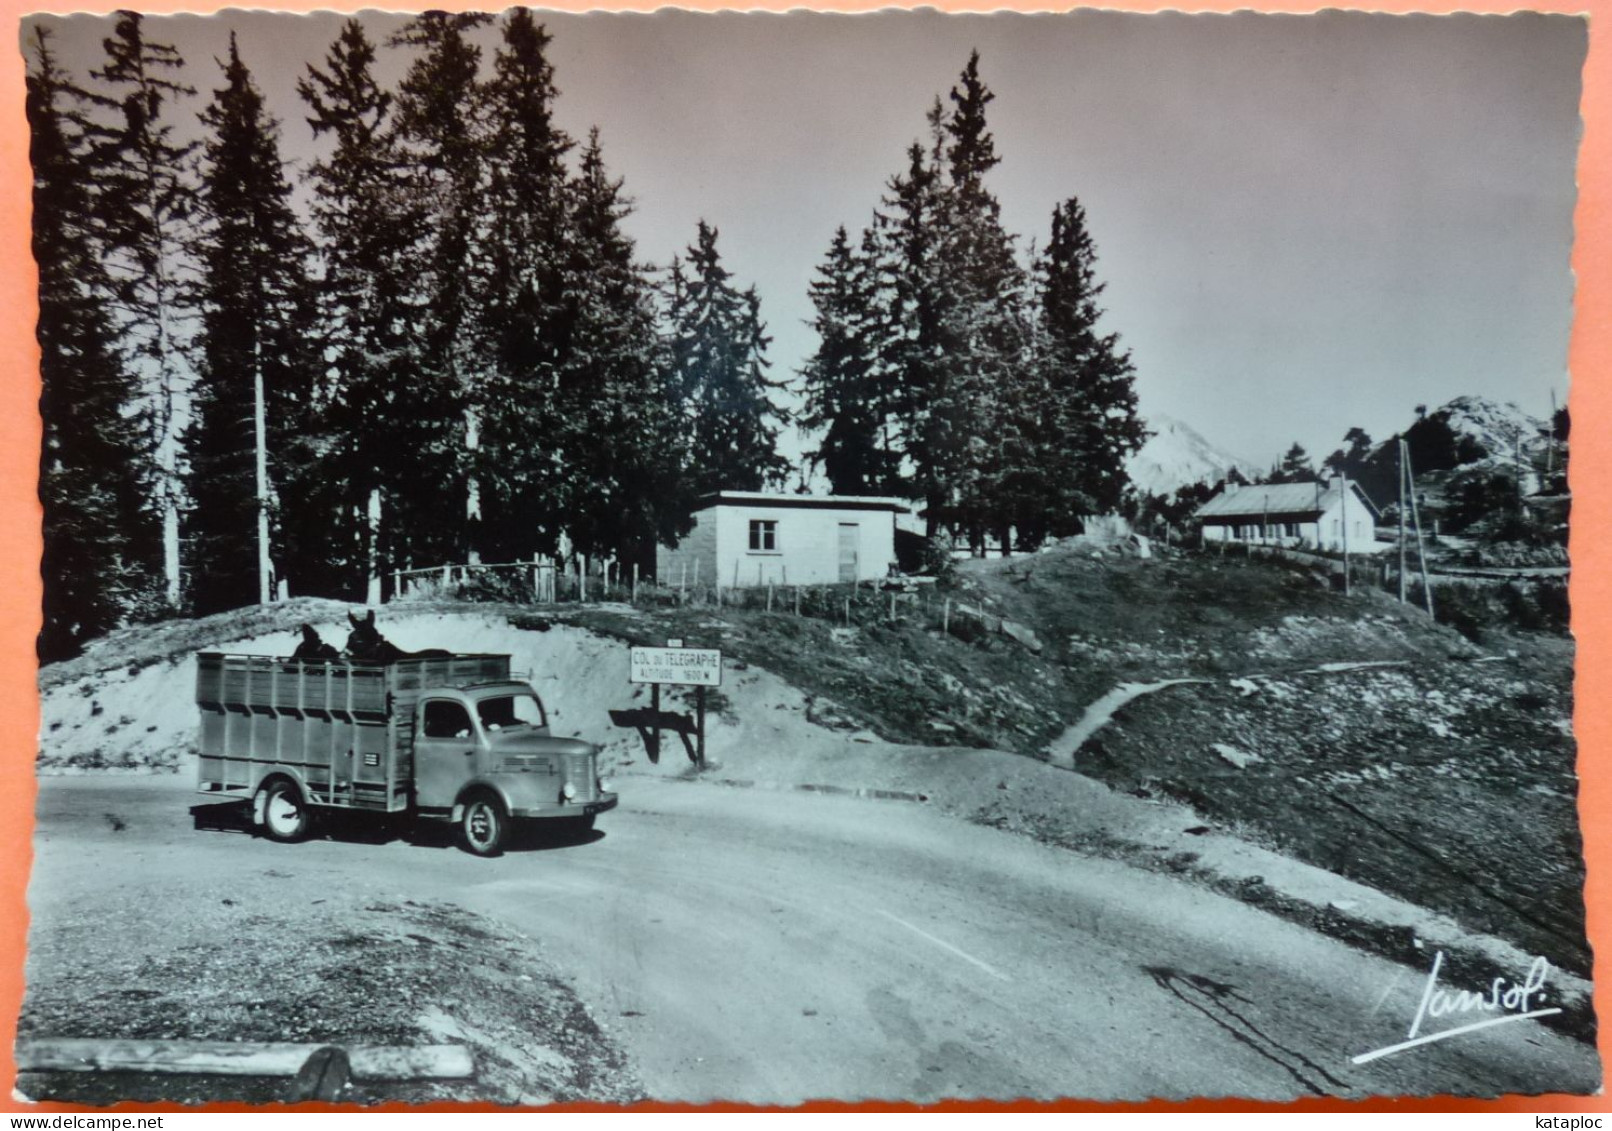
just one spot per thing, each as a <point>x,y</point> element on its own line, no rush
<point>344,729</point>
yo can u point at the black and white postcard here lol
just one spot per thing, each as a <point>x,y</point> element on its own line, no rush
<point>769,558</point>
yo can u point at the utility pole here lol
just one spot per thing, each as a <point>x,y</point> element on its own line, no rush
<point>1416,519</point>
<point>1400,452</point>
<point>1343,511</point>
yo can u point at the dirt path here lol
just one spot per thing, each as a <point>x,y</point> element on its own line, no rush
<point>773,948</point>
<point>1062,750</point>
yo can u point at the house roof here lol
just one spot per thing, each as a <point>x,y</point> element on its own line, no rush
<point>1260,499</point>
<point>762,500</point>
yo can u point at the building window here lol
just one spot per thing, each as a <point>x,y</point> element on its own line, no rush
<point>763,534</point>
<point>1291,529</point>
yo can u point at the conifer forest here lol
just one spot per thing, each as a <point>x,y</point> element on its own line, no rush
<point>435,342</point>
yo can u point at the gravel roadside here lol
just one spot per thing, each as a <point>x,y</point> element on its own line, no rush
<point>264,957</point>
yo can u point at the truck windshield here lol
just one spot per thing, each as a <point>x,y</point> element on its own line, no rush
<point>511,712</point>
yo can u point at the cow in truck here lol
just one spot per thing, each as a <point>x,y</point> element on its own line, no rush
<point>450,738</point>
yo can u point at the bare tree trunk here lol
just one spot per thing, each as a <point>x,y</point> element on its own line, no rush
<point>473,484</point>
<point>372,594</point>
<point>265,567</point>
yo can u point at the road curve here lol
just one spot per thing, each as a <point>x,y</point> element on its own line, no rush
<point>778,947</point>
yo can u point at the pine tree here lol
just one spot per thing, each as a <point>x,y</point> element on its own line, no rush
<point>1012,414</point>
<point>522,330</point>
<point>1293,467</point>
<point>718,357</point>
<point>1089,423</point>
<point>99,540</point>
<point>846,396</point>
<point>147,205</point>
<point>257,366</point>
<point>992,394</point>
<point>397,426</point>
<point>1350,461</point>
<point>954,338</point>
<point>915,350</point>
<point>441,135</point>
<point>621,438</point>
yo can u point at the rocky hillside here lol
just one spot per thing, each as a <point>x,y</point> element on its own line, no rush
<point>1482,428</point>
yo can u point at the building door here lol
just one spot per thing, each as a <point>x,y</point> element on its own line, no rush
<point>850,550</point>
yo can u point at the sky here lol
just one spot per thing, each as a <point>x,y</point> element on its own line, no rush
<point>1304,223</point>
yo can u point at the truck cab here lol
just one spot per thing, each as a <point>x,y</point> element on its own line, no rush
<point>494,738</point>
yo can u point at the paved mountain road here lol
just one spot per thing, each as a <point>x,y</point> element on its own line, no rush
<point>774,947</point>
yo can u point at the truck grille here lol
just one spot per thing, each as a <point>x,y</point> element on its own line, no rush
<point>527,762</point>
<point>579,771</point>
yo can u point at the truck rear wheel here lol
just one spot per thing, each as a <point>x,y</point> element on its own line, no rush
<point>484,826</point>
<point>285,814</point>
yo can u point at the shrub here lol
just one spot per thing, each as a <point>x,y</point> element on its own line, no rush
<point>939,563</point>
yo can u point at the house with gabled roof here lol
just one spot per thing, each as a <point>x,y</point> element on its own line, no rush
<point>1334,516</point>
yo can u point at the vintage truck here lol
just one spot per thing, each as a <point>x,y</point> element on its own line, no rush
<point>452,738</point>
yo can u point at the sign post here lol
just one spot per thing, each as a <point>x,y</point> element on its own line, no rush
<point>698,668</point>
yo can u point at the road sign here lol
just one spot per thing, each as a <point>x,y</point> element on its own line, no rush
<point>690,667</point>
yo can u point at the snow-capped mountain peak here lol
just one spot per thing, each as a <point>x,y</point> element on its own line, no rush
<point>1176,455</point>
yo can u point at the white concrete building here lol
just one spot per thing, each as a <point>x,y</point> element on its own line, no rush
<point>1316,516</point>
<point>745,538</point>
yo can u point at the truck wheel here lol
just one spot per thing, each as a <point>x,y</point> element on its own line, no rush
<point>285,816</point>
<point>483,826</point>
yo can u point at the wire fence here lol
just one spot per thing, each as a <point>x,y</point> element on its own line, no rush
<point>1467,605</point>
<point>884,601</point>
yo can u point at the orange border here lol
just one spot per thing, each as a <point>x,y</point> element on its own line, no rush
<point>1591,481</point>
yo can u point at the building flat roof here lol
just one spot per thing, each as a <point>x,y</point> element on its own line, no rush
<point>779,501</point>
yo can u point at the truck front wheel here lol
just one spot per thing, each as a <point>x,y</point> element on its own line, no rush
<point>285,814</point>
<point>484,825</point>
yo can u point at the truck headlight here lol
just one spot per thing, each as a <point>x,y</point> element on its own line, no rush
<point>606,785</point>
<point>568,791</point>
